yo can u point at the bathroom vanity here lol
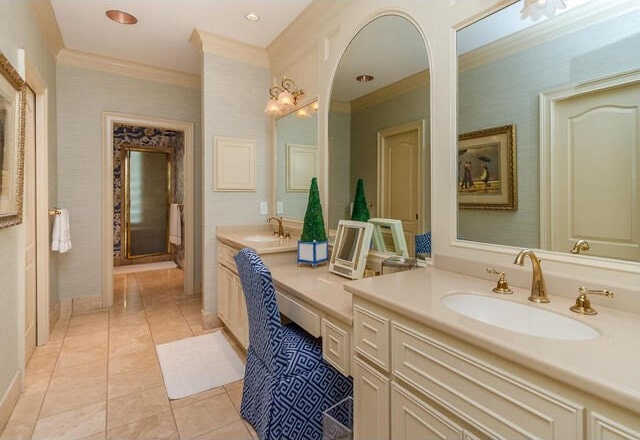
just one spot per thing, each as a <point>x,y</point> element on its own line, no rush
<point>313,298</point>
<point>422,370</point>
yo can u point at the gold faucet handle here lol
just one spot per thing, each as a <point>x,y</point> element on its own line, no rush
<point>502,287</point>
<point>583,305</point>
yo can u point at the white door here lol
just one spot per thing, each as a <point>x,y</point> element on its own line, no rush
<point>597,161</point>
<point>29,219</point>
<point>400,178</point>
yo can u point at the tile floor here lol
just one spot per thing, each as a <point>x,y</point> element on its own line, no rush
<point>99,376</point>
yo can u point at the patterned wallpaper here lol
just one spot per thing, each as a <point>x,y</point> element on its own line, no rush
<point>153,139</point>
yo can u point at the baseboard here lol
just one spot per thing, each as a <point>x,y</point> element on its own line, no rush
<point>66,308</point>
<point>10,399</point>
<point>54,315</point>
<point>209,320</point>
<point>87,304</point>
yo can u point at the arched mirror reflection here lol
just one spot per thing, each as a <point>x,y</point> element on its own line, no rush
<point>297,160</point>
<point>569,88</point>
<point>379,126</point>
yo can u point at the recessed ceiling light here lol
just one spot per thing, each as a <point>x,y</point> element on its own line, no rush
<point>364,78</point>
<point>252,17</point>
<point>121,17</point>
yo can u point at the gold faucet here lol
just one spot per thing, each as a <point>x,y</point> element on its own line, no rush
<point>280,228</point>
<point>583,305</point>
<point>579,246</point>
<point>538,289</point>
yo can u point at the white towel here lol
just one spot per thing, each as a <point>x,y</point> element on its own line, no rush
<point>61,235</point>
<point>175,226</point>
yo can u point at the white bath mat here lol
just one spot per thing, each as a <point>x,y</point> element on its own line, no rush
<point>192,365</point>
<point>144,267</point>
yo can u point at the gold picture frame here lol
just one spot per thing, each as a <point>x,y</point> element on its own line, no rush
<point>487,176</point>
<point>12,121</point>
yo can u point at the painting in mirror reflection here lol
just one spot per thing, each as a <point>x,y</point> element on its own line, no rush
<point>507,81</point>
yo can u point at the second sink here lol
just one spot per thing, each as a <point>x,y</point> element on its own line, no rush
<point>520,318</point>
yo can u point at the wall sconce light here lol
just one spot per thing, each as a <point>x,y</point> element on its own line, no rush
<point>537,8</point>
<point>283,97</point>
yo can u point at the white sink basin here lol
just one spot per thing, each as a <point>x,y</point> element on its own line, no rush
<point>262,238</point>
<point>520,318</point>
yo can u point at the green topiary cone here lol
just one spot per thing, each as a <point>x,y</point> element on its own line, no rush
<point>313,228</point>
<point>360,210</point>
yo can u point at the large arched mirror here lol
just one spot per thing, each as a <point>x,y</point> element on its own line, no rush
<point>563,93</point>
<point>379,126</point>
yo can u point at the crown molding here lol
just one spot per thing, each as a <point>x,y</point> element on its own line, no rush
<point>230,49</point>
<point>131,69</point>
<point>579,18</point>
<point>43,11</point>
<point>415,81</point>
<point>340,106</point>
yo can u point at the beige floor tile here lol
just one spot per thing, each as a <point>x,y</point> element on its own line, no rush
<point>59,331</point>
<point>136,406</point>
<point>42,364</point>
<point>95,370</point>
<point>156,427</point>
<point>25,413</point>
<point>170,334</point>
<point>126,362</point>
<point>17,431</point>
<point>134,380</point>
<point>233,385</point>
<point>87,328</point>
<point>205,416</point>
<point>77,356</point>
<point>72,394</point>
<point>36,382</point>
<point>87,340</point>
<point>78,423</point>
<point>235,394</point>
<point>186,401</point>
<point>127,317</point>
<point>233,431</point>
<point>98,436</point>
<point>47,350</point>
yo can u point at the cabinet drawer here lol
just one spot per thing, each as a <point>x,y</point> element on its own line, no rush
<point>371,336</point>
<point>412,418</point>
<point>336,346</point>
<point>498,403</point>
<point>225,256</point>
<point>299,313</point>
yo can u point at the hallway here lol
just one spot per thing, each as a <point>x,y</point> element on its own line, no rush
<point>99,376</point>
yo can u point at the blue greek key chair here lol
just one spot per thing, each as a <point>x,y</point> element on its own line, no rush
<point>423,243</point>
<point>287,384</point>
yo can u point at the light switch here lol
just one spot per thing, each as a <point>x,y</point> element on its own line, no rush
<point>279,208</point>
<point>264,208</point>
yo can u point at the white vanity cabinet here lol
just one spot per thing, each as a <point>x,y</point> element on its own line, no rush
<point>413,381</point>
<point>232,308</point>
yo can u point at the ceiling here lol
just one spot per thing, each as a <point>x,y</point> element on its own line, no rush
<point>161,36</point>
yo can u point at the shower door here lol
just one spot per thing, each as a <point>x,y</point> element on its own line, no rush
<point>147,193</point>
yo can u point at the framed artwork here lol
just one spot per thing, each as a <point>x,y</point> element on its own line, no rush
<point>487,176</point>
<point>302,166</point>
<point>12,116</point>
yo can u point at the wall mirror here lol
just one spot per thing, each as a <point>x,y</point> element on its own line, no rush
<point>12,111</point>
<point>296,159</point>
<point>378,126</point>
<point>570,87</point>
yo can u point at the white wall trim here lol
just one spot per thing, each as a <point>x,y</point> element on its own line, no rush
<point>230,49</point>
<point>48,25</point>
<point>40,88</point>
<point>108,120</point>
<point>130,69</point>
<point>10,399</point>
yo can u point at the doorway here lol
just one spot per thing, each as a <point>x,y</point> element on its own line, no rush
<point>151,128</point>
<point>400,177</point>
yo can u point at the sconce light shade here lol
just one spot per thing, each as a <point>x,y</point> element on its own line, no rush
<point>537,8</point>
<point>282,97</point>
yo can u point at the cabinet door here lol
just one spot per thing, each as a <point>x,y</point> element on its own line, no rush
<point>371,402</point>
<point>241,320</point>
<point>225,291</point>
<point>605,428</point>
<point>412,418</point>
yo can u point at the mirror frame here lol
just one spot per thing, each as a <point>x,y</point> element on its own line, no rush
<point>578,266</point>
<point>13,148</point>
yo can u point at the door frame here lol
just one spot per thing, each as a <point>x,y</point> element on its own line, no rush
<point>41,90</point>
<point>382,135</point>
<point>548,168</point>
<point>108,121</point>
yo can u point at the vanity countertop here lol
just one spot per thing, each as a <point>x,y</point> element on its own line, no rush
<point>236,236</point>
<point>606,366</point>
